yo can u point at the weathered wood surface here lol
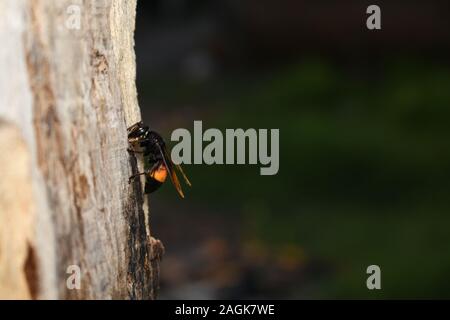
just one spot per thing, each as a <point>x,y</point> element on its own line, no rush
<point>66,98</point>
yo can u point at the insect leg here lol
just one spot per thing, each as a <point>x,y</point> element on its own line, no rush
<point>135,176</point>
<point>143,173</point>
<point>134,151</point>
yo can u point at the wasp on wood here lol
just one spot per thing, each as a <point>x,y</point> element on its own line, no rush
<point>157,160</point>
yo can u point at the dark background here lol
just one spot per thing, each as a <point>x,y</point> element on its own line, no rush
<point>364,146</point>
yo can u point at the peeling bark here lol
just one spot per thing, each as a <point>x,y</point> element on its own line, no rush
<point>69,95</point>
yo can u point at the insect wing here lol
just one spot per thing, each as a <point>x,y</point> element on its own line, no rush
<point>169,159</point>
<point>172,174</point>
<point>184,175</point>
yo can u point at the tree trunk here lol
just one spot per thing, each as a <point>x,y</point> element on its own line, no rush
<point>67,95</point>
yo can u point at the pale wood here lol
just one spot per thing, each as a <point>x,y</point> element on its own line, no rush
<point>66,99</point>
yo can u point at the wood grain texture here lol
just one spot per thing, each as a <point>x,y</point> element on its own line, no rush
<point>70,94</point>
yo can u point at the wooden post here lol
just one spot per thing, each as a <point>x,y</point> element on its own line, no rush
<point>67,95</point>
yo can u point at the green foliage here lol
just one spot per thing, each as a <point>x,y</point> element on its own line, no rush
<point>364,171</point>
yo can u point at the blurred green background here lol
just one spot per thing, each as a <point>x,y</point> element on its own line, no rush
<point>364,152</point>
